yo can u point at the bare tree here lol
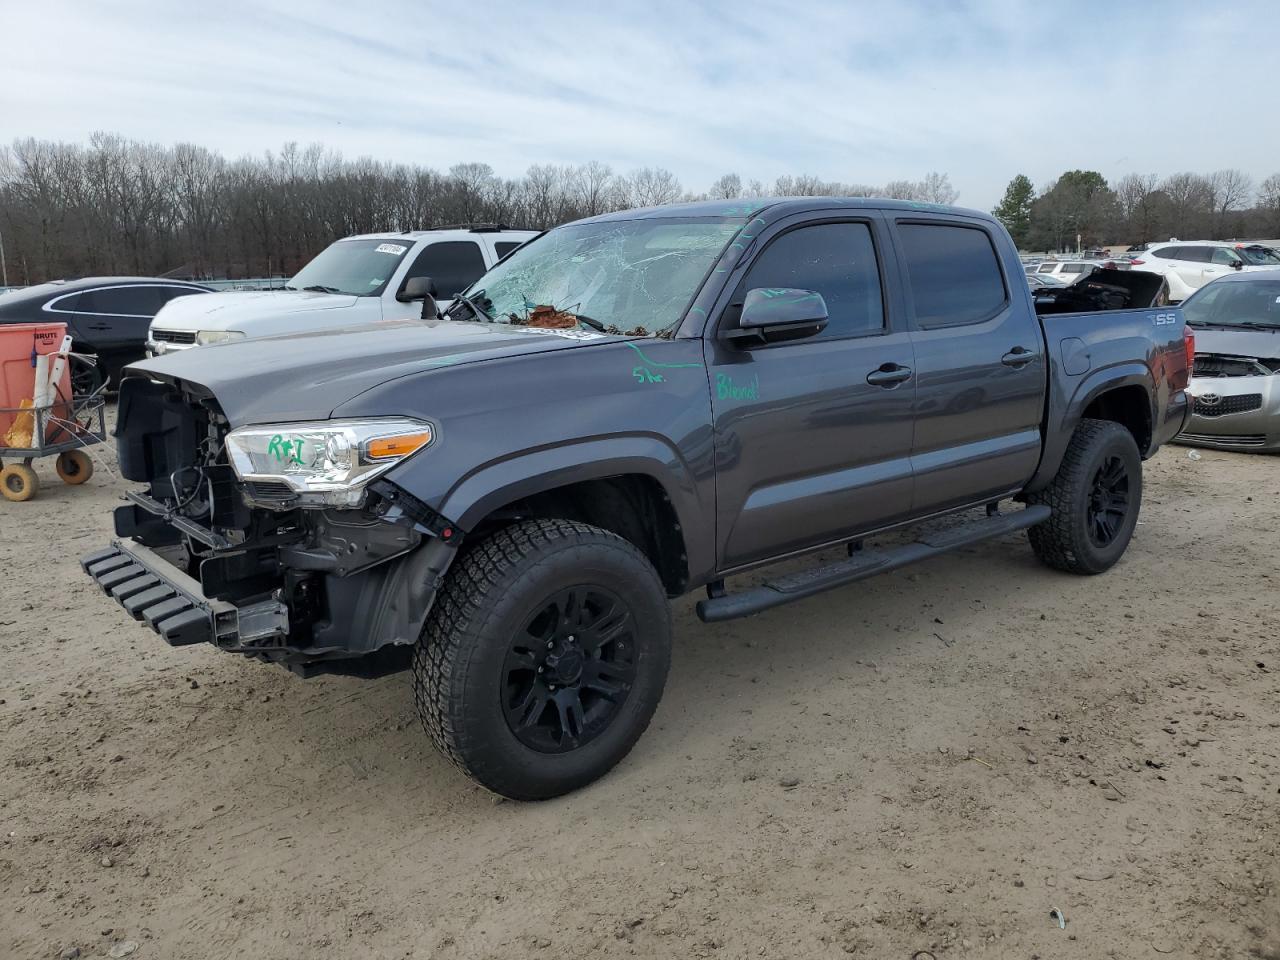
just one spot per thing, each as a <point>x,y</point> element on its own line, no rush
<point>936,188</point>
<point>1190,202</point>
<point>1231,191</point>
<point>593,182</point>
<point>727,187</point>
<point>651,186</point>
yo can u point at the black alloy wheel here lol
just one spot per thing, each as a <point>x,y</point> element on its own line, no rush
<point>1108,501</point>
<point>569,671</point>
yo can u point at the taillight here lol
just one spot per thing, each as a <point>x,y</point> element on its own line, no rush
<point>1189,341</point>
<point>1137,263</point>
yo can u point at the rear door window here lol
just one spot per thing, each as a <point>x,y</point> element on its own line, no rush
<point>1196,254</point>
<point>503,247</point>
<point>952,273</point>
<point>121,301</point>
<point>452,264</point>
<point>67,303</point>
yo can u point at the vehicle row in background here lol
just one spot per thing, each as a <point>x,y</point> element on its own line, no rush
<point>356,280</point>
<point>107,317</point>
<point>1189,265</point>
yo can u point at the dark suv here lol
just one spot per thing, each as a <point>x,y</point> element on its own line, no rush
<point>106,316</point>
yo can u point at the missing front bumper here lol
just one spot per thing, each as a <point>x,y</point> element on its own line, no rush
<point>173,605</point>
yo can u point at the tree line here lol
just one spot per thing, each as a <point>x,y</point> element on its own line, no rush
<point>1139,208</point>
<point>118,206</point>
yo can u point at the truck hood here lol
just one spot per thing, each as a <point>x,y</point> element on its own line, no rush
<point>237,310</point>
<point>307,376</point>
<point>1238,343</point>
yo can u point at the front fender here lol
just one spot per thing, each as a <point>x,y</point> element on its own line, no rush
<point>529,472</point>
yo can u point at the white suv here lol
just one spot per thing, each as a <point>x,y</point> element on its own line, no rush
<point>1187,265</point>
<point>352,281</point>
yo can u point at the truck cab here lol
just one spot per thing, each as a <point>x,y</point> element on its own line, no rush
<point>355,280</point>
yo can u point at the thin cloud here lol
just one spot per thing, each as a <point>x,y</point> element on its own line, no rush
<point>862,93</point>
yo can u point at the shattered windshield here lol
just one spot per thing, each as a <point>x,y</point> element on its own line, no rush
<point>622,276</point>
<point>359,267</point>
<point>1259,256</point>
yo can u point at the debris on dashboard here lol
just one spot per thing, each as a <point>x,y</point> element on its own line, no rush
<point>546,316</point>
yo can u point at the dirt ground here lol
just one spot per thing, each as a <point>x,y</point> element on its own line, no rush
<point>925,765</point>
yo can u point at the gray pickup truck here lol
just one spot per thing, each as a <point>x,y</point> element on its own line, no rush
<point>626,409</point>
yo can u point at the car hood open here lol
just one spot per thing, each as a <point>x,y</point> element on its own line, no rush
<point>307,376</point>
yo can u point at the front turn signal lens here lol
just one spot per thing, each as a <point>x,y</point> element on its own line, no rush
<point>393,448</point>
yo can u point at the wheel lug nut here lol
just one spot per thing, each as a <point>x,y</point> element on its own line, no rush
<point>540,669</point>
<point>550,644</point>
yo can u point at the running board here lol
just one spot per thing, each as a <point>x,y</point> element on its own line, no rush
<point>865,563</point>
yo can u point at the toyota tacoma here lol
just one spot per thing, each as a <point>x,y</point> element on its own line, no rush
<point>626,409</point>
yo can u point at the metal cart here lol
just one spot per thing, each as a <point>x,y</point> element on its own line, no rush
<point>62,429</point>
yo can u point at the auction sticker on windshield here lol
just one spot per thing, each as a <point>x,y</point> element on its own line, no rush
<point>395,248</point>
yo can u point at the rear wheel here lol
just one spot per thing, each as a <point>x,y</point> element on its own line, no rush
<point>74,467</point>
<point>544,657</point>
<point>85,379</point>
<point>18,482</point>
<point>1095,499</point>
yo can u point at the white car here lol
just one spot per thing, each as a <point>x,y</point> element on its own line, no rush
<point>352,281</point>
<point>1068,271</point>
<point>1187,265</point>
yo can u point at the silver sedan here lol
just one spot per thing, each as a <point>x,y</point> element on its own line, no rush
<point>1236,379</point>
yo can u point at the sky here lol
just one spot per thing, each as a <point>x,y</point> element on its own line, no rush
<point>856,92</point>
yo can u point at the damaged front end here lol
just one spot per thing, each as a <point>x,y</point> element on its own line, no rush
<point>284,543</point>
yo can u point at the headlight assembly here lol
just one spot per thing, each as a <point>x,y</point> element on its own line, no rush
<point>326,462</point>
<point>206,337</point>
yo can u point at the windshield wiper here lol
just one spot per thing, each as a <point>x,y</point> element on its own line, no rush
<point>479,313</point>
<point>590,322</point>
<point>319,288</point>
<point>1237,325</point>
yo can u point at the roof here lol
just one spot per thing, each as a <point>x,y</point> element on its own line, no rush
<point>1247,276</point>
<point>1234,244</point>
<point>51,287</point>
<point>781,206</point>
<point>457,233</point>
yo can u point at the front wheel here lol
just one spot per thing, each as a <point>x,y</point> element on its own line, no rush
<point>1095,499</point>
<point>543,658</point>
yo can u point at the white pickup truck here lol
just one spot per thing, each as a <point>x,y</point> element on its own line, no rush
<point>355,280</point>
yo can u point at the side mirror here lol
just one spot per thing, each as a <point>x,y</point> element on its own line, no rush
<point>420,288</point>
<point>1239,265</point>
<point>774,314</point>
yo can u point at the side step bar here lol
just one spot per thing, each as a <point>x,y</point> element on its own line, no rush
<point>863,564</point>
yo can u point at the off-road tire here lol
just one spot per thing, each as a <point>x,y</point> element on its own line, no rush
<point>1063,541</point>
<point>484,604</point>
